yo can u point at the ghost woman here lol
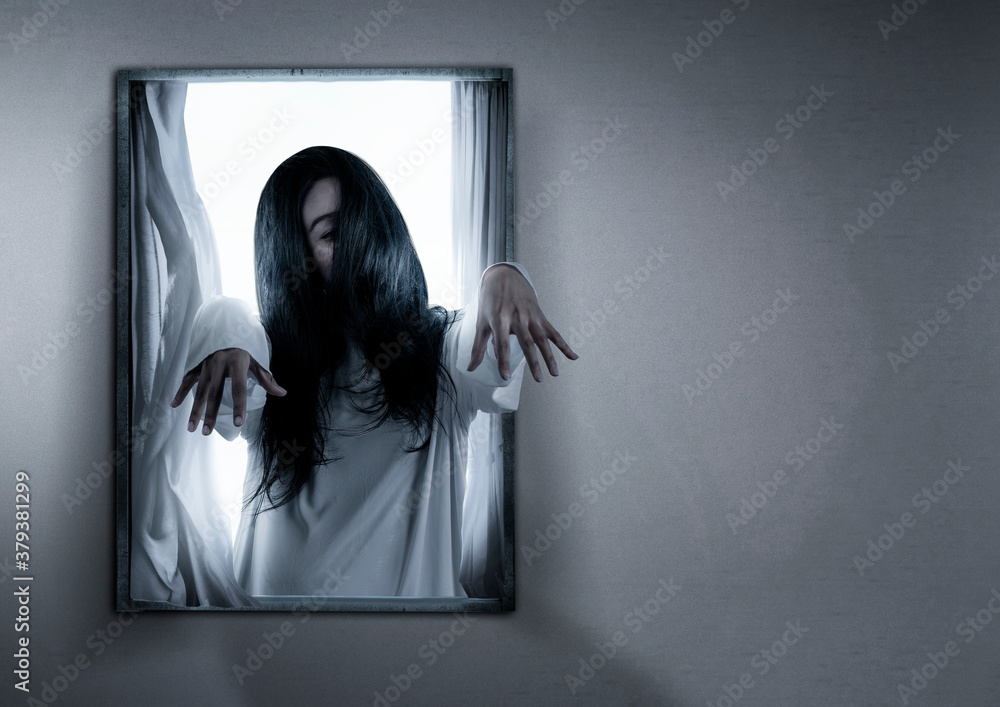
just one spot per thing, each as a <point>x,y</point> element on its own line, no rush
<point>355,396</point>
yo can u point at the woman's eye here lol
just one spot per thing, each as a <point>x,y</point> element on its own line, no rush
<point>328,235</point>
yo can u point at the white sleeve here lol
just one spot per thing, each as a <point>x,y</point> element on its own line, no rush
<point>484,388</point>
<point>225,323</point>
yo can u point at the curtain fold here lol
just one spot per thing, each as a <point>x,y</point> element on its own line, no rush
<point>479,177</point>
<point>181,551</point>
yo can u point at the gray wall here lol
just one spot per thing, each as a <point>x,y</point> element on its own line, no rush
<point>664,517</point>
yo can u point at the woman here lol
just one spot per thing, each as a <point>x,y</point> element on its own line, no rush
<point>357,468</point>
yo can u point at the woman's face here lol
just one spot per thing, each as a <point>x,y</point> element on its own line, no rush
<point>321,221</point>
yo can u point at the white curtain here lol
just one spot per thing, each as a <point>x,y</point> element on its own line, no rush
<point>181,548</point>
<point>479,178</point>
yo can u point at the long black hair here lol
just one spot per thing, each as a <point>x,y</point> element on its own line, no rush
<point>374,301</point>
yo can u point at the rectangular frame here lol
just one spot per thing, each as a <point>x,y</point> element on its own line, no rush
<point>123,376</point>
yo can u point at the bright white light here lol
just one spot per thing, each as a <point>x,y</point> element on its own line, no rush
<point>238,133</point>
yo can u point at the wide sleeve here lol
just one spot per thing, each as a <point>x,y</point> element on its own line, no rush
<point>226,323</point>
<point>484,389</point>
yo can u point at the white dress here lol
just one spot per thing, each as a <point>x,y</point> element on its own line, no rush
<point>380,521</point>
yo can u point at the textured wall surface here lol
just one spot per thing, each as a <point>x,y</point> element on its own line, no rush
<point>806,513</point>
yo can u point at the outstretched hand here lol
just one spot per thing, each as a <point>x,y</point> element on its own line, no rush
<point>507,305</point>
<point>211,374</point>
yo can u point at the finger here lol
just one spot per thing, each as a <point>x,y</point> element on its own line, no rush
<point>543,346</point>
<point>265,379</point>
<point>501,343</point>
<point>560,342</point>
<point>239,376</point>
<point>190,378</point>
<point>479,344</point>
<point>524,338</point>
<point>199,399</point>
<point>216,387</point>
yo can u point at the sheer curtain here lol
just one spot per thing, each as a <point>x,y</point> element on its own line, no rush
<point>479,178</point>
<point>181,549</point>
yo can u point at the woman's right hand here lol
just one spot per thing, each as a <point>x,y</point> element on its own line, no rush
<point>211,374</point>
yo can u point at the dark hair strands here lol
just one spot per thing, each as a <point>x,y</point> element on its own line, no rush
<point>376,292</point>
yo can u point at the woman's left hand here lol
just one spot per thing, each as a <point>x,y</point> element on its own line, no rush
<point>507,305</point>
